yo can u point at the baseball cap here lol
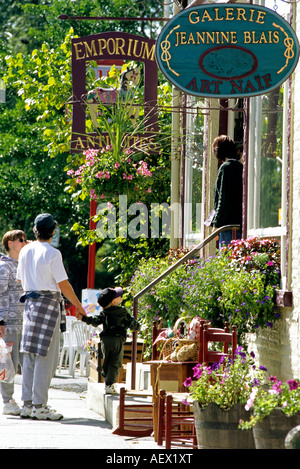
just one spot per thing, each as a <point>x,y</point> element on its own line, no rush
<point>45,220</point>
<point>109,294</point>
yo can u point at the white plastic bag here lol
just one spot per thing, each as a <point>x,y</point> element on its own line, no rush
<point>7,369</point>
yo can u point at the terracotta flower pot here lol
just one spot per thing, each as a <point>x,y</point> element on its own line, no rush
<point>218,429</point>
<point>270,433</point>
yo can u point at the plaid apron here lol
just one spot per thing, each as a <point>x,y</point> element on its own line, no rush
<point>42,310</point>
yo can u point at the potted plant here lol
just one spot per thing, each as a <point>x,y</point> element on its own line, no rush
<point>275,410</point>
<point>219,395</point>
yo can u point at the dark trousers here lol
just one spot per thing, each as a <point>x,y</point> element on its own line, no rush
<point>112,349</point>
<point>225,237</point>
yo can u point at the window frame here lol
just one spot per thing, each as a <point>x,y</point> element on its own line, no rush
<point>192,236</point>
<point>253,182</point>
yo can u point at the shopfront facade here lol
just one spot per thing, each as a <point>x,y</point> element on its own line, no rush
<point>266,129</point>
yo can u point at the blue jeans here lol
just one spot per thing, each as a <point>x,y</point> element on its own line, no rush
<point>226,236</point>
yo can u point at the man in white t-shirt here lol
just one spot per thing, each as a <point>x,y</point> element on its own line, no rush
<point>44,279</point>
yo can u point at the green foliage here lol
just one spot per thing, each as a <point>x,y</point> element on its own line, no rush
<point>274,395</point>
<point>25,25</point>
<point>129,252</point>
<point>36,67</point>
<point>225,287</point>
<point>37,79</point>
<point>226,383</point>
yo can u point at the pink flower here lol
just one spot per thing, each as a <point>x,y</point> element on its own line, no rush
<point>197,371</point>
<point>251,399</point>
<point>187,383</point>
<point>93,194</point>
<point>70,172</point>
<point>293,384</point>
<point>107,175</point>
<point>99,175</point>
<point>185,402</point>
<point>90,158</point>
<point>148,190</point>
<point>276,389</point>
<point>129,177</point>
<point>117,165</point>
<point>143,169</point>
<point>102,196</point>
<point>270,263</point>
<point>91,153</point>
<point>273,379</point>
<point>79,170</point>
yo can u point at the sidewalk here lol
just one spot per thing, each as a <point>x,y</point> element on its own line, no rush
<point>80,428</point>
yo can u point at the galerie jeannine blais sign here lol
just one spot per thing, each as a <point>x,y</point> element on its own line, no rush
<point>226,50</point>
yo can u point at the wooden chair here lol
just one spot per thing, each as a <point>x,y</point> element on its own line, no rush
<point>203,323</point>
<point>218,336</point>
<point>135,418</point>
<point>176,426</point>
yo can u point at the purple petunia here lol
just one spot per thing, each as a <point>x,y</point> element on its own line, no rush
<point>187,383</point>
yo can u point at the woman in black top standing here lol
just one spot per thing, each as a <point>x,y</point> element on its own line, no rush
<point>228,192</point>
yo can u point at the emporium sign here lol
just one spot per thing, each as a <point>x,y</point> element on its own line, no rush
<point>112,46</point>
<point>225,50</point>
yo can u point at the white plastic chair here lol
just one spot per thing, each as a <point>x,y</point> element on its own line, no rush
<point>67,349</point>
<point>82,333</point>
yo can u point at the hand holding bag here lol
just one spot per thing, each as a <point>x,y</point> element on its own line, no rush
<point>7,369</point>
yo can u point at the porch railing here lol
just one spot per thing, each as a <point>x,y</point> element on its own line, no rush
<point>154,282</point>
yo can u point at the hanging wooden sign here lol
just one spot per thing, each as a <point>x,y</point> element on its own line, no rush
<point>113,47</point>
<point>225,50</point>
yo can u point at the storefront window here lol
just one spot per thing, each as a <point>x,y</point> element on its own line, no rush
<point>271,159</point>
<point>267,169</point>
<point>194,170</point>
<point>267,161</point>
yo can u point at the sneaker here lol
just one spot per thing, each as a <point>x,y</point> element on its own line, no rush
<point>110,389</point>
<point>45,413</point>
<point>26,412</point>
<point>11,408</point>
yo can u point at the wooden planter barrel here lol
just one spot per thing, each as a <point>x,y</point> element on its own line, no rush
<point>271,432</point>
<point>218,429</point>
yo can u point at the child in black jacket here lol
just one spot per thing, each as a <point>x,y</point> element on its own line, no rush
<point>115,320</point>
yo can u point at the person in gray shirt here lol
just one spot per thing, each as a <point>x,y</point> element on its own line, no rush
<point>11,310</point>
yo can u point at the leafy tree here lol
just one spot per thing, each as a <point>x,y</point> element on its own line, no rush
<point>34,138</point>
